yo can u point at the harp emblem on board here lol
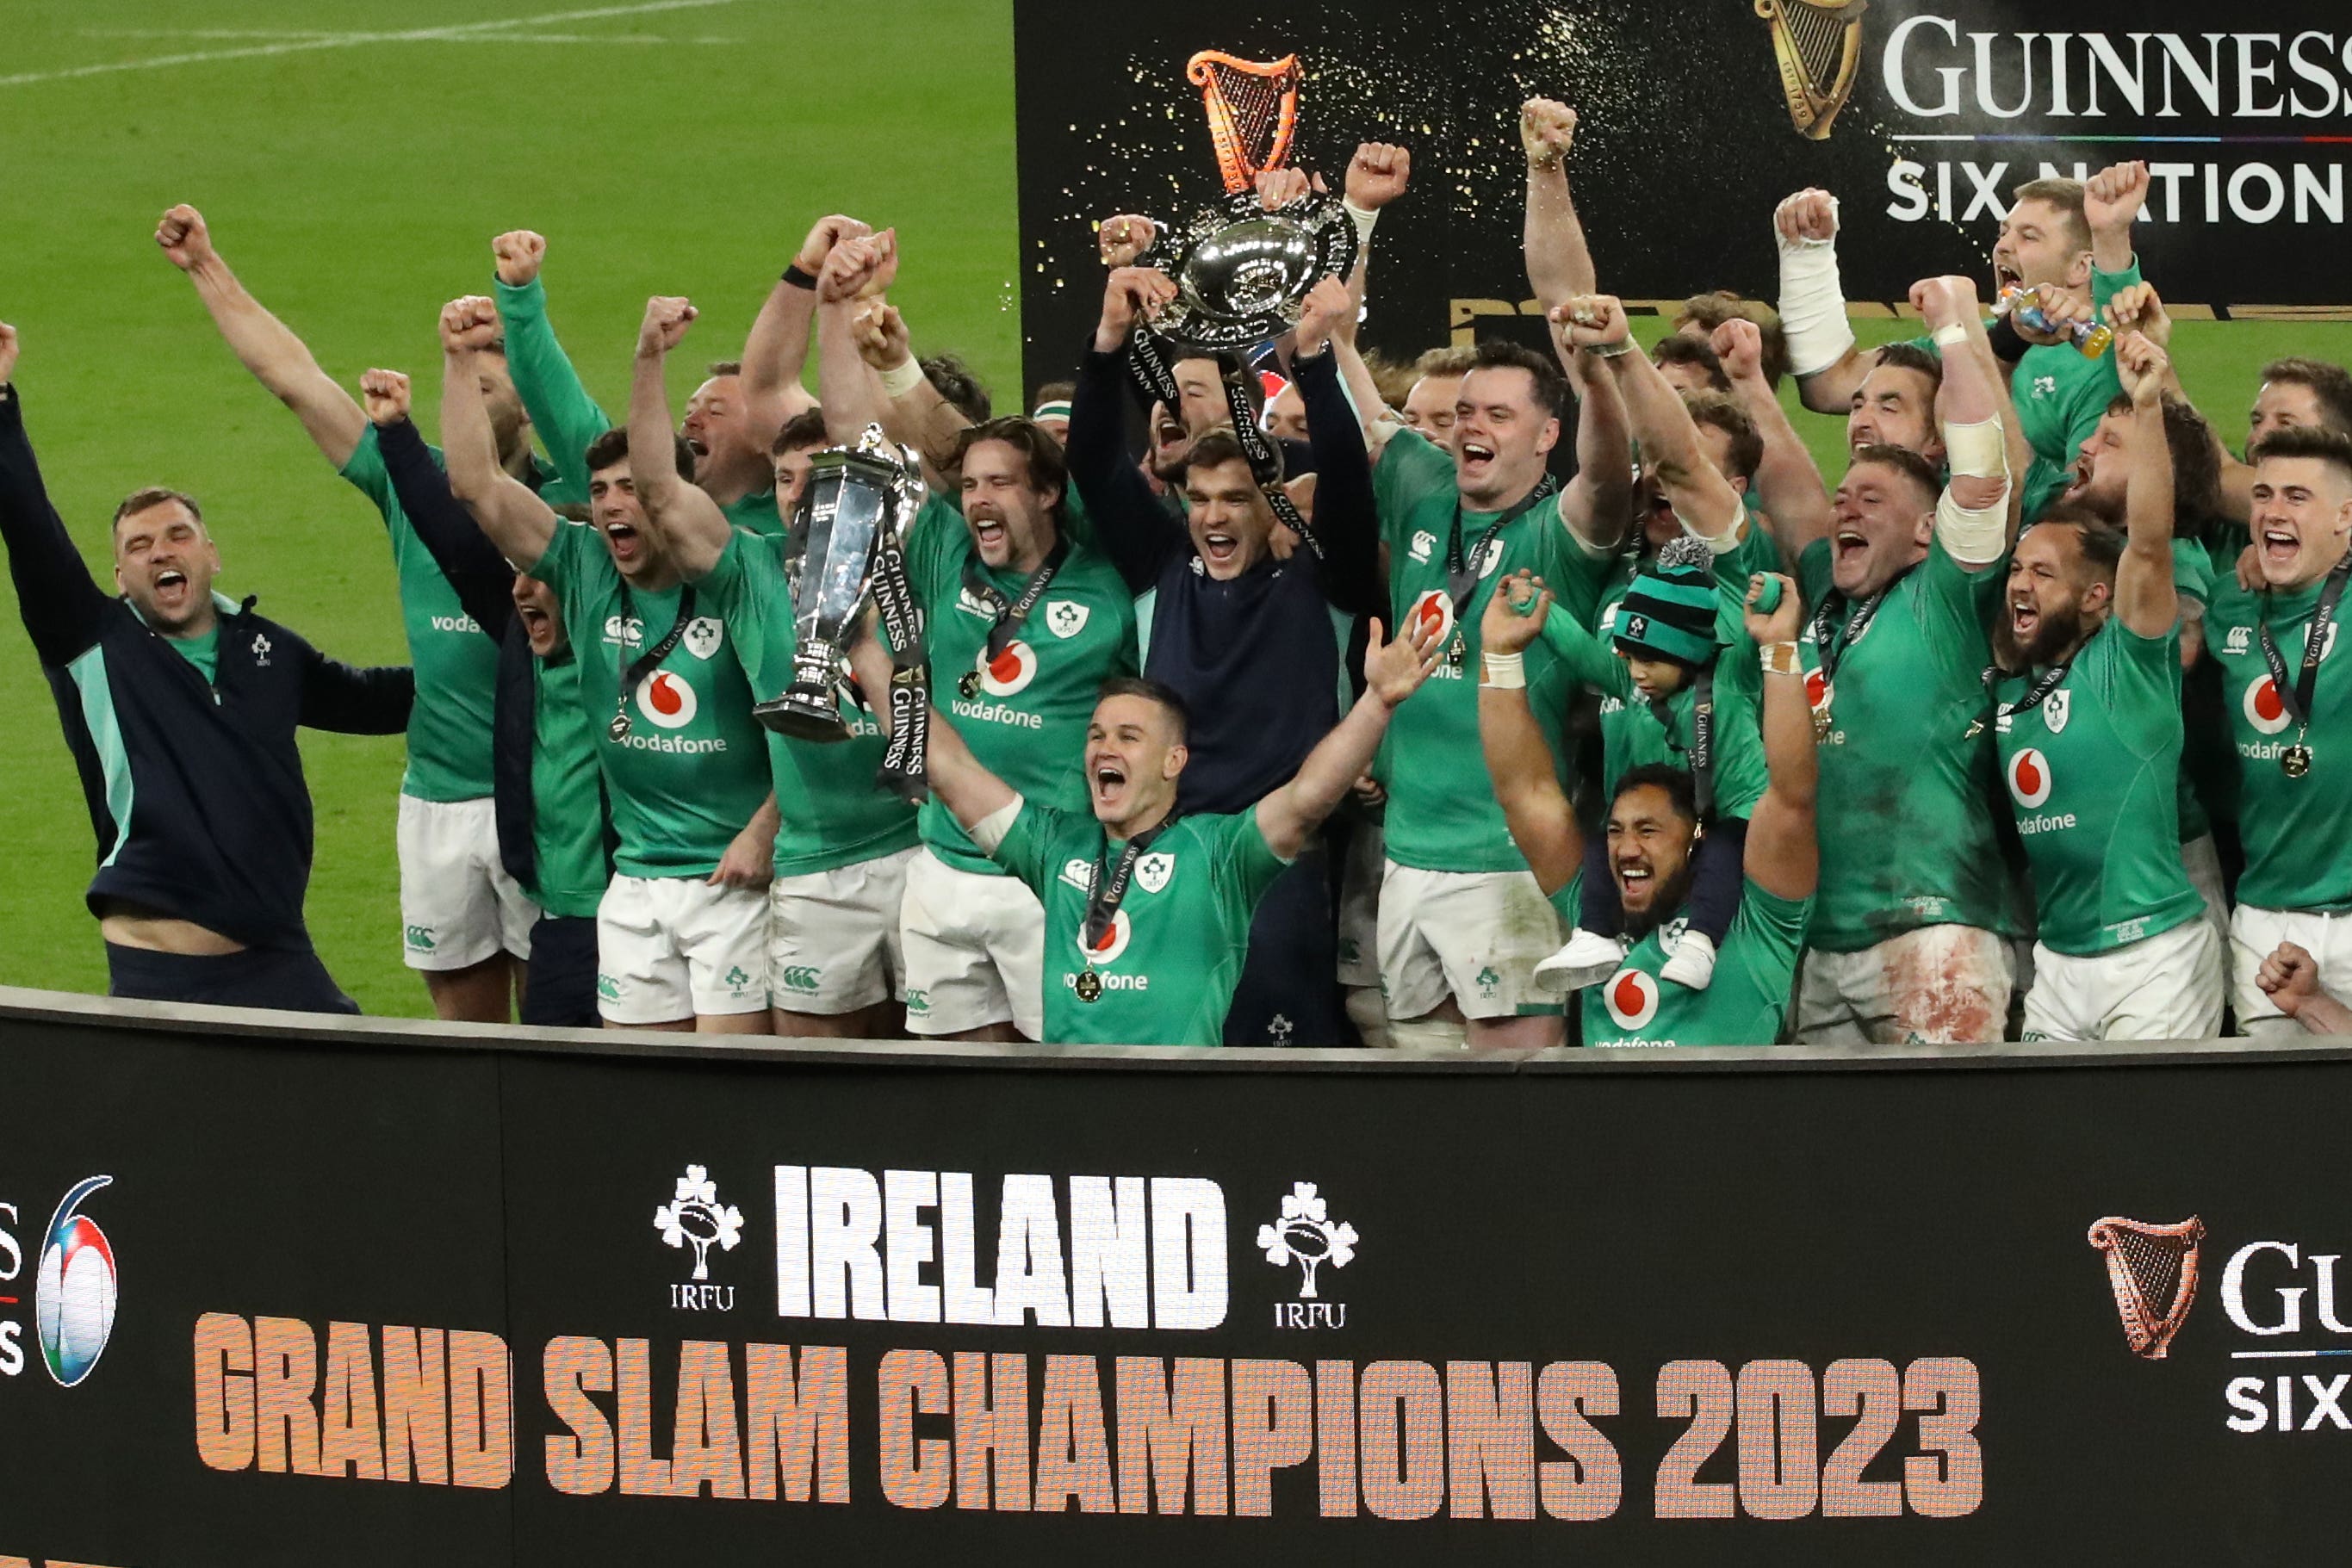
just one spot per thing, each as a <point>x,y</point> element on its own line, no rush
<point>1819,46</point>
<point>1253,108</point>
<point>2153,1270</point>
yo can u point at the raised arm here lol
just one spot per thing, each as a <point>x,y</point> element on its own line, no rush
<point>561,410</point>
<point>1130,524</point>
<point>1787,482</point>
<point>483,581</point>
<point>847,389</point>
<point>776,350</point>
<point>265,346</point>
<point>1829,367</point>
<point>63,608</point>
<point>517,521</point>
<point>1518,761</point>
<point>1347,519</point>
<point>1974,518</point>
<point>349,700</point>
<point>1703,499</point>
<point>968,789</point>
<point>1598,504</point>
<point>918,415</point>
<point>688,518</point>
<point>2112,200</point>
<point>1560,263</point>
<point>1393,671</point>
<point>1783,855</point>
<point>2147,597</point>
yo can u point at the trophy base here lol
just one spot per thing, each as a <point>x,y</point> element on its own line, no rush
<point>802,714</point>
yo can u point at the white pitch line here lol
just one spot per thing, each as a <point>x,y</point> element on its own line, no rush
<point>501,37</point>
<point>353,40</point>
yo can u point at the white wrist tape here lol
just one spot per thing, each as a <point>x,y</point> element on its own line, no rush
<point>902,379</point>
<point>1977,449</point>
<point>1951,335</point>
<point>1812,305</point>
<point>1365,218</point>
<point>1507,672</point>
<point>1720,544</point>
<point>990,831</point>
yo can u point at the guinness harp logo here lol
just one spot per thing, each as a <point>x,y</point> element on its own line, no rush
<point>1819,43</point>
<point>2153,1271</point>
<point>1253,107</point>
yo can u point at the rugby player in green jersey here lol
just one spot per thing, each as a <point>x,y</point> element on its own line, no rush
<point>2086,716</point>
<point>1652,829</point>
<point>681,930</point>
<point>466,924</point>
<point>835,965</point>
<point>1907,936</point>
<point>733,417</point>
<point>1148,911</point>
<point>2289,697</point>
<point>2069,241</point>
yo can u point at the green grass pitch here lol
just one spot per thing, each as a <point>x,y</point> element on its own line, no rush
<point>354,162</point>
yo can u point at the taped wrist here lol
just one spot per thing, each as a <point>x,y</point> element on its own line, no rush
<point>990,831</point>
<point>1977,449</point>
<point>1975,535</point>
<point>1364,219</point>
<point>902,379</point>
<point>1812,305</point>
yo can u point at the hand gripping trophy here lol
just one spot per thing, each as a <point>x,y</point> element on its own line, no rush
<point>853,513</point>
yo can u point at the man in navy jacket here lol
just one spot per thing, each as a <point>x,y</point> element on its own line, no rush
<point>180,708</point>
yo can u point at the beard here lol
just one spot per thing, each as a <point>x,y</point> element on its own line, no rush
<point>1672,895</point>
<point>2058,630</point>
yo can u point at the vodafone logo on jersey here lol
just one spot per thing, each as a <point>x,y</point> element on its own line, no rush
<point>1631,997</point>
<point>1432,612</point>
<point>1114,941</point>
<point>2029,778</point>
<point>666,700</point>
<point>1817,690</point>
<point>1009,672</point>
<point>2265,709</point>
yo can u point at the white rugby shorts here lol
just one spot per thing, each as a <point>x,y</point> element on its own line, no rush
<point>2164,987</point>
<point>833,936</point>
<point>975,947</point>
<point>1939,985</point>
<point>457,904</point>
<point>1474,936</point>
<point>2254,935</point>
<point>671,947</point>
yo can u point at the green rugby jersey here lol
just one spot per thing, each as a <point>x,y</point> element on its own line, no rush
<point>2093,772</point>
<point>2061,396</point>
<point>1170,961</point>
<point>1907,770</point>
<point>2192,580</point>
<point>694,767</point>
<point>457,666</point>
<point>2297,831</point>
<point>833,812</point>
<point>566,417</point>
<point>1026,718</point>
<point>1743,1005</point>
<point>567,792</point>
<point>1631,735</point>
<point>1756,551</point>
<point>1441,811</point>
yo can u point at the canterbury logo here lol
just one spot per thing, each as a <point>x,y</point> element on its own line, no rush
<point>802,979</point>
<point>2152,1269</point>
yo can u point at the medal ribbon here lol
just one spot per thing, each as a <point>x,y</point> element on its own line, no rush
<point>1461,575</point>
<point>1010,614</point>
<point>2298,700</point>
<point>2034,696</point>
<point>902,770</point>
<point>1104,898</point>
<point>1702,746</point>
<point>649,660</point>
<point>1830,647</point>
<point>1148,365</point>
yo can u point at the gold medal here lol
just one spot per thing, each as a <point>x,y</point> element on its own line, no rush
<point>970,684</point>
<point>1821,725</point>
<point>2296,760</point>
<point>619,729</point>
<point>1089,985</point>
<point>1453,652</point>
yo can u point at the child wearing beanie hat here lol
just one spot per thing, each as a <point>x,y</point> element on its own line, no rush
<point>1665,698</point>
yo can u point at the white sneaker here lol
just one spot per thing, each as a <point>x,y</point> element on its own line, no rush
<point>1693,964</point>
<point>1587,960</point>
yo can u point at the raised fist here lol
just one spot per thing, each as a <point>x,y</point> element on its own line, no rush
<point>1780,625</point>
<point>2062,308</point>
<point>1547,129</point>
<point>1328,312</point>
<point>1277,188</point>
<point>880,334</point>
<point>2138,308</point>
<point>8,347</point>
<point>829,231</point>
<point>2289,976</point>
<point>1739,344</point>
<point>885,265</point>
<point>1591,321</point>
<point>469,324</point>
<point>1945,301</point>
<point>184,238</point>
<point>2113,197</point>
<point>384,395</point>
<point>2142,367</point>
<point>1133,293</point>
<point>667,316</point>
<point>519,253</point>
<point>1124,237</point>
<point>1809,217</point>
<point>1377,174</point>
<point>852,266</point>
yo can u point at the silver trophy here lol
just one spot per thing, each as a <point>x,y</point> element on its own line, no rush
<point>1242,273</point>
<point>856,503</point>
